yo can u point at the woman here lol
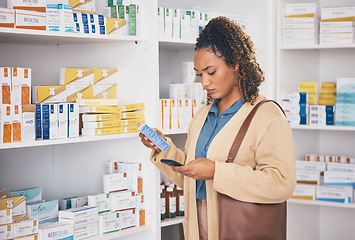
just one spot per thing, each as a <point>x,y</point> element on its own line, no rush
<point>264,169</point>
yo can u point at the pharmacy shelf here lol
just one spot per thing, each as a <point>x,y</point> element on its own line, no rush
<point>321,203</point>
<point>80,139</point>
<point>39,37</point>
<point>172,132</point>
<point>321,128</point>
<point>318,46</point>
<point>176,44</point>
<point>120,234</point>
<point>172,221</point>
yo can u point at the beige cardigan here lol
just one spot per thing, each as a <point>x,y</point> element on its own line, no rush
<point>263,170</point>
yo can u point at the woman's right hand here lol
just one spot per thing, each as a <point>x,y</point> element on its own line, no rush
<point>149,144</point>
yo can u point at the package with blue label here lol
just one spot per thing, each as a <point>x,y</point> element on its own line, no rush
<point>43,211</point>
<point>31,194</point>
<point>56,231</point>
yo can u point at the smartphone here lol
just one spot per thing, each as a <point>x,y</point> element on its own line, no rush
<point>171,162</point>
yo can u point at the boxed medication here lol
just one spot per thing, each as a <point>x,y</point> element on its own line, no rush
<point>154,137</point>
<point>77,213</point>
<point>5,82</point>
<point>129,129</point>
<point>50,121</point>
<point>84,102</point>
<point>86,227</point>
<point>133,121</point>
<point>176,23</point>
<point>100,131</point>
<point>2,193</point>
<point>6,232</point>
<point>17,124</point>
<point>6,112</point>
<point>189,74</point>
<point>168,23</point>
<point>185,27</point>
<point>105,76</point>
<point>30,20</point>
<point>304,191</point>
<point>300,10</point>
<point>113,25</point>
<point>109,222</point>
<point>194,16</point>
<point>165,114</point>
<point>77,76</point>
<point>54,231</point>
<point>80,221</point>
<point>176,90</point>
<point>83,235</point>
<point>334,194</point>
<point>134,20</point>
<point>123,200</point>
<point>52,17</point>
<point>115,182</point>
<point>161,22</point>
<point>339,178</point>
<point>7,17</point>
<point>19,218</point>
<point>25,228</point>
<point>101,109</point>
<point>128,218</point>
<point>132,107</point>
<point>101,117</point>
<point>309,177</point>
<point>16,94</point>
<point>30,237</point>
<point>38,5</point>
<point>85,6</point>
<point>66,21</point>
<point>31,194</point>
<point>5,216</point>
<point>62,120</point>
<point>103,92</point>
<point>49,94</point>
<point>331,14</point>
<point>26,86</point>
<point>112,167</point>
<point>73,120</point>
<point>43,210</point>
<point>77,91</point>
<point>129,115</point>
<point>140,210</point>
<point>102,124</point>
<point>101,201</point>
<point>312,166</point>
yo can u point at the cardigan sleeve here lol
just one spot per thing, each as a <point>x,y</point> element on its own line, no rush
<point>273,178</point>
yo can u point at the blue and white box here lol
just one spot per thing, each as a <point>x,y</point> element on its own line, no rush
<point>66,20</point>
<point>154,137</point>
<point>334,194</point>
<point>56,231</point>
<point>31,194</point>
<point>39,126</point>
<point>43,211</point>
<point>339,178</point>
<point>50,121</point>
<point>63,120</point>
<point>73,120</point>
<point>52,17</point>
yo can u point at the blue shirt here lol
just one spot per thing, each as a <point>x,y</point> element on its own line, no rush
<point>212,126</point>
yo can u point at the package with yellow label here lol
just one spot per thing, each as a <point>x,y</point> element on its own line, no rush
<point>17,204</point>
<point>113,25</point>
<point>100,92</point>
<point>106,76</point>
<point>46,94</point>
<point>76,76</point>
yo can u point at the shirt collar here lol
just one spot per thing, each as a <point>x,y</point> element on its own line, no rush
<point>232,109</point>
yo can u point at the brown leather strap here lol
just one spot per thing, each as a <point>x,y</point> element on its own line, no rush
<point>244,128</point>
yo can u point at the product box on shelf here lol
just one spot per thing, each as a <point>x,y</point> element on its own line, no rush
<point>140,210</point>
<point>101,117</point>
<point>105,76</point>
<point>77,76</point>
<point>6,232</point>
<point>86,234</point>
<point>335,194</point>
<point>5,216</point>
<point>132,121</point>
<point>176,23</point>
<point>109,222</point>
<point>73,120</point>
<point>26,86</point>
<point>100,131</point>
<point>185,27</point>
<point>129,129</point>
<point>103,124</point>
<point>300,10</point>
<point>332,14</point>
<point>62,120</point>
<point>312,166</point>
<point>25,228</point>
<point>88,6</point>
<point>115,182</point>
<point>168,23</point>
<point>78,91</point>
<point>132,107</point>
<point>31,194</point>
<point>5,82</point>
<point>38,5</point>
<point>30,20</point>
<point>52,17</point>
<point>123,200</point>
<point>101,92</point>
<point>89,227</point>
<point>161,22</point>
<point>17,123</point>
<point>17,204</point>
<point>66,21</point>
<point>340,167</point>
<point>309,177</point>
<point>6,112</point>
<point>50,121</point>
<point>339,178</point>
<point>43,211</point>
<point>101,200</point>
<point>130,115</point>
<point>2,193</point>
<point>101,109</point>
<point>304,191</point>
<point>49,94</point>
<point>19,218</point>
<point>97,102</point>
<point>77,213</point>
<point>53,231</point>
<point>128,218</point>
<point>7,18</point>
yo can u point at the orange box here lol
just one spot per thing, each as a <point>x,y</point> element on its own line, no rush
<point>26,86</point>
<point>5,82</point>
<point>6,112</point>
<point>7,17</point>
<point>16,123</point>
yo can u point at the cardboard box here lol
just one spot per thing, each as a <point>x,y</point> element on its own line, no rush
<point>130,115</point>
<point>103,124</point>
<point>140,210</point>
<point>6,113</point>
<point>5,82</point>
<point>101,131</point>
<point>304,191</point>
<point>7,18</point>
<point>77,76</point>
<point>30,20</point>
<point>73,120</point>
<point>168,23</point>
<point>5,216</point>
<point>49,94</point>
<point>128,218</point>
<point>38,5</point>
<point>43,210</point>
<point>17,123</point>
<point>52,17</point>
<point>31,194</point>
<point>115,182</point>
<point>80,212</point>
<point>109,222</point>
<point>6,232</point>
<point>66,21</point>
<point>105,76</point>
<point>17,204</point>
<point>25,228</point>
<point>101,109</point>
<point>2,193</point>
<point>50,121</point>
<point>53,231</point>
<point>62,120</point>
<point>101,117</point>
<point>101,200</point>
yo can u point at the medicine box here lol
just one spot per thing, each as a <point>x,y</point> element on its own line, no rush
<point>334,194</point>
<point>73,120</point>
<point>66,21</point>
<point>50,121</point>
<point>86,227</point>
<point>25,228</point>
<point>140,213</point>
<point>123,200</point>
<point>17,204</point>
<point>5,216</point>
<point>86,234</point>
<point>62,120</point>
<point>101,117</point>
<point>300,10</point>
<point>17,123</point>
<point>101,109</point>
<point>80,221</point>
<point>52,17</point>
<point>26,86</point>
<point>6,232</point>
<point>52,94</point>
<point>81,212</point>
<point>7,18</point>
<point>304,191</point>
<point>5,82</point>
<point>129,115</point>
<point>115,182</point>
<point>31,194</point>
<point>2,193</point>
<point>76,76</point>
<point>128,218</point>
<point>100,131</point>
<point>102,124</point>
<point>339,178</point>
<point>38,5</point>
<point>312,166</point>
<point>84,5</point>
<point>30,20</point>
<point>336,14</point>
<point>134,20</point>
<point>309,177</point>
<point>132,107</point>
<point>19,218</point>
<point>54,231</point>
<point>105,76</point>
<point>154,137</point>
<point>109,222</point>
<point>6,113</point>
<point>84,102</point>
<point>43,210</point>
<point>101,200</point>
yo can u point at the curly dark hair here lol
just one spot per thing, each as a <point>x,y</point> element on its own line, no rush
<point>228,40</point>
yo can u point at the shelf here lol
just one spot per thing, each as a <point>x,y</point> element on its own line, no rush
<point>330,128</point>
<point>176,44</point>
<point>172,221</point>
<point>80,139</point>
<point>120,234</point>
<point>172,132</point>
<point>318,46</point>
<point>39,37</point>
<point>321,203</point>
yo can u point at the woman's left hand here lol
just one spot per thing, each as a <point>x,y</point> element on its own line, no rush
<point>198,169</point>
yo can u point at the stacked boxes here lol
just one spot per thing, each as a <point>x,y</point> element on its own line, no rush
<point>296,105</point>
<point>311,88</point>
<point>7,17</point>
<point>337,25</point>
<point>300,24</point>
<point>345,102</point>
<point>327,94</point>
<point>87,6</point>
<point>321,115</point>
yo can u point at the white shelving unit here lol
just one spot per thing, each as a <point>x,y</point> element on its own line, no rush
<point>172,221</point>
<point>322,63</point>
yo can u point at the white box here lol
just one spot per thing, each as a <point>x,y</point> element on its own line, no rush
<point>338,14</point>
<point>339,178</point>
<point>31,194</point>
<point>53,231</point>
<point>176,90</point>
<point>300,9</point>
<point>16,94</point>
<point>66,20</point>
<point>161,22</point>
<point>77,213</point>
<point>340,167</point>
<point>87,6</point>
<point>189,73</point>
<point>194,18</point>
<point>7,17</point>
<point>334,194</point>
<point>123,200</point>
<point>5,83</point>
<point>168,23</point>
<point>52,17</point>
<point>63,120</point>
<point>38,5</point>
<point>43,210</point>
<point>165,114</point>
<point>309,177</point>
<point>128,218</point>
<point>86,227</point>
<point>140,210</point>
<point>25,228</point>
<point>50,121</point>
<point>337,24</point>
<point>26,86</point>
<point>176,23</point>
<point>5,216</point>
<point>83,235</point>
<point>6,232</point>
<point>305,191</point>
<point>30,20</point>
<point>312,166</point>
<point>185,27</point>
<point>17,123</point>
<point>336,30</point>
<point>73,120</point>
<point>6,112</point>
<point>115,182</point>
<point>101,201</point>
<point>134,20</point>
<point>111,167</point>
<point>109,222</point>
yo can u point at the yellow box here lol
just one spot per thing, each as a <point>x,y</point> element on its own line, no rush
<point>5,82</point>
<point>78,91</point>
<point>128,115</point>
<point>6,232</point>
<point>17,204</point>
<point>19,218</point>
<point>132,107</point>
<point>5,216</point>
<point>113,24</point>
<point>327,99</point>
<point>2,193</point>
<point>100,131</point>
<point>100,109</point>
<point>310,87</point>
<point>42,94</point>
<point>328,87</point>
<point>103,92</point>
<point>129,129</point>
<point>102,124</point>
<point>85,102</point>
<point>26,86</point>
<point>101,117</point>
<point>132,121</point>
<point>105,76</point>
<point>17,123</point>
<point>6,112</point>
<point>76,76</point>
<point>77,3</point>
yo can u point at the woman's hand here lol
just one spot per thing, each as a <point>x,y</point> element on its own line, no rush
<point>198,169</point>
<point>149,144</point>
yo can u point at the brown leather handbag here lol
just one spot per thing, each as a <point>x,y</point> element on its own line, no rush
<point>250,221</point>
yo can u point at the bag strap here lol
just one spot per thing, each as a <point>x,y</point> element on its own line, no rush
<point>244,128</point>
